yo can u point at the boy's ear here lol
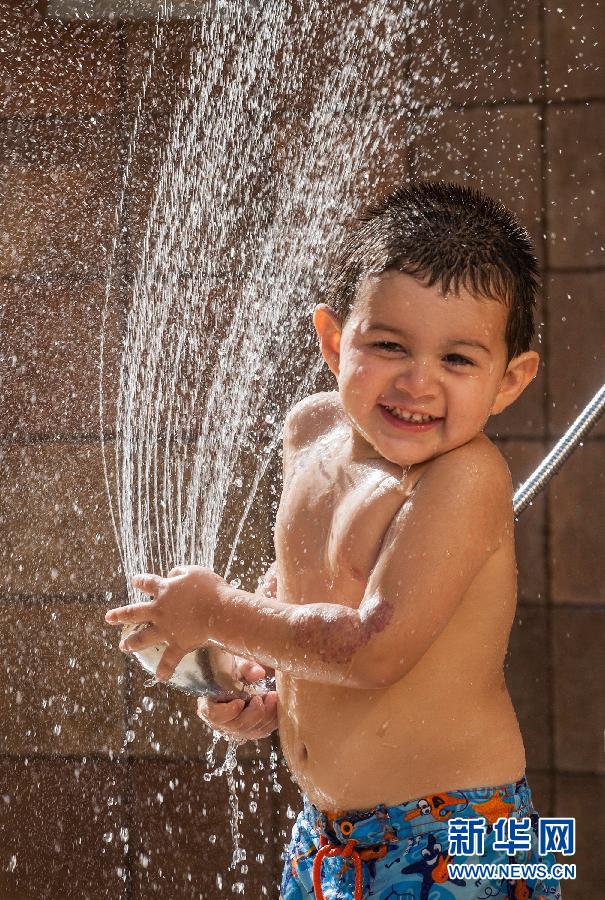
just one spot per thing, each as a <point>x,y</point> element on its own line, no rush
<point>328,328</point>
<point>520,371</point>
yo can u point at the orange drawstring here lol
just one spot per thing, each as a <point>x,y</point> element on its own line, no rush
<point>327,849</point>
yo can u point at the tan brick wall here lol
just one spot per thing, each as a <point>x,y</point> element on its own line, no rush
<point>84,808</point>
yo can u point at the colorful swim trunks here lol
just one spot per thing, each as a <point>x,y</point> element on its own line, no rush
<point>401,852</point>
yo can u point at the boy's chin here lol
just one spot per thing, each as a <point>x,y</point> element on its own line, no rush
<point>407,453</point>
<point>398,455</point>
<point>405,460</point>
<point>369,445</point>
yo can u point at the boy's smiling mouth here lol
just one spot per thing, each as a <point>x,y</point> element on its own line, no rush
<point>407,419</point>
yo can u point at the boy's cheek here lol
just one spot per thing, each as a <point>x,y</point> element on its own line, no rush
<point>360,388</point>
<point>358,380</point>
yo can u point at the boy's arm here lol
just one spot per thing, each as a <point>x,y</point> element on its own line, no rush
<point>455,519</point>
<point>267,587</point>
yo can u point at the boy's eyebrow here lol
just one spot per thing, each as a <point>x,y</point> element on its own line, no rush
<point>380,326</point>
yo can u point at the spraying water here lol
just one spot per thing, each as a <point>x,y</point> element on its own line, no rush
<point>282,125</point>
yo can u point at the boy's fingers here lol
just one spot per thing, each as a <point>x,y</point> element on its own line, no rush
<point>271,697</point>
<point>219,713</point>
<point>255,721</point>
<point>242,718</point>
<point>253,713</point>
<point>250,670</point>
<point>168,663</point>
<point>149,584</point>
<point>133,614</point>
<point>147,637</point>
<point>271,702</point>
<point>258,714</point>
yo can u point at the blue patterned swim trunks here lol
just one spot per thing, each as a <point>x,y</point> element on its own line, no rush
<point>401,852</point>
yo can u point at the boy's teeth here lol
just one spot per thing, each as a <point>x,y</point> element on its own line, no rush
<point>409,417</point>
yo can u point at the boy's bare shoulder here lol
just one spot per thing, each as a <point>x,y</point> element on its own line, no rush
<point>312,417</point>
<point>478,462</point>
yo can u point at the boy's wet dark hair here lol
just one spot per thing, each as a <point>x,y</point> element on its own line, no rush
<point>443,232</point>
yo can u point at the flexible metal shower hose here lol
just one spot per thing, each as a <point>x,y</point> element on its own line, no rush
<point>549,466</point>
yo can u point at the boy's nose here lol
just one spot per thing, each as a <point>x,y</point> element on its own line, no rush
<point>418,380</point>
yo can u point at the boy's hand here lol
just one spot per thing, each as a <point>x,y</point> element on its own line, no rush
<point>232,718</point>
<point>179,615</point>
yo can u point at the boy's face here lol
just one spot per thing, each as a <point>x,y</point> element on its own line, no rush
<point>403,346</point>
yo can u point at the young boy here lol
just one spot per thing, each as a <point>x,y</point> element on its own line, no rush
<point>387,613</point>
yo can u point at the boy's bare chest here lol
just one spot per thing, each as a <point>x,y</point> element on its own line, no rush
<point>331,524</point>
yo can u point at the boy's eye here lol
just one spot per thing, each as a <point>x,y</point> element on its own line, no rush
<point>387,345</point>
<point>456,357</point>
<point>463,360</point>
